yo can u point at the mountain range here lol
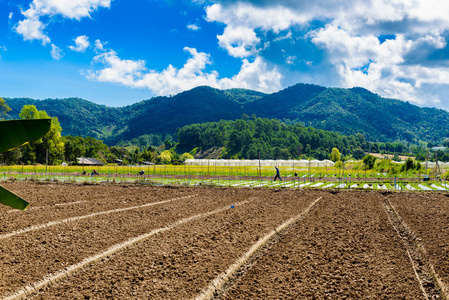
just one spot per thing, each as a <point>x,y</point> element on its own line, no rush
<point>347,111</point>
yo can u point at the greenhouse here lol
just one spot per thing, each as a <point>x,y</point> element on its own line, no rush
<point>256,163</point>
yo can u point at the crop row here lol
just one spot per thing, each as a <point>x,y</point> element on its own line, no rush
<point>188,170</point>
<point>304,181</point>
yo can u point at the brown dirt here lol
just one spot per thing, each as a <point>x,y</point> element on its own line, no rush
<point>427,215</point>
<point>343,248</point>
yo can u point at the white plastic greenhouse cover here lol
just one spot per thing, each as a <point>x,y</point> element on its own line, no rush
<point>255,163</point>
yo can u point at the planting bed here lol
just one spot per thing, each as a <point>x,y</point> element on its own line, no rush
<point>427,214</point>
<point>345,248</point>
<point>144,242</point>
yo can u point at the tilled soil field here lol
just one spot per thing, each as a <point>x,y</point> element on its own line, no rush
<point>141,242</point>
<point>427,215</point>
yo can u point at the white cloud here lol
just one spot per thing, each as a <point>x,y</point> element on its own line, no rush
<point>32,28</point>
<point>290,60</point>
<point>253,75</point>
<point>350,40</point>
<point>256,76</point>
<point>121,71</point>
<point>11,14</point>
<point>276,18</point>
<point>81,43</point>
<point>382,67</point>
<point>99,46</point>
<point>72,9</point>
<point>239,37</point>
<point>193,27</point>
<point>239,41</point>
<point>56,53</point>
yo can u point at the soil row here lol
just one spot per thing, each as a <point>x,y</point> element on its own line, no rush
<point>427,215</point>
<point>346,248</point>
<point>27,258</point>
<point>45,201</point>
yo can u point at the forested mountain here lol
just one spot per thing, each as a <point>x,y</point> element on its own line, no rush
<point>78,117</point>
<point>347,111</point>
<point>357,110</point>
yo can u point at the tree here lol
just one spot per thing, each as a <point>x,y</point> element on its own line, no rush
<point>185,156</point>
<point>358,153</point>
<point>29,112</point>
<point>168,144</point>
<point>165,157</point>
<point>4,108</point>
<point>369,161</point>
<point>52,141</point>
<point>408,165</point>
<point>335,155</point>
<point>308,149</point>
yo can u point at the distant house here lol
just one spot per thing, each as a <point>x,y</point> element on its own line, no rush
<point>88,161</point>
<point>148,163</point>
<point>119,162</point>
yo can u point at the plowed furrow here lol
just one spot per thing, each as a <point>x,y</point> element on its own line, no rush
<point>78,218</point>
<point>179,263</point>
<point>225,280</point>
<point>431,286</point>
<point>50,279</point>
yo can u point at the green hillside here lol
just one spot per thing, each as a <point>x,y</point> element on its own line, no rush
<point>78,117</point>
<point>347,111</point>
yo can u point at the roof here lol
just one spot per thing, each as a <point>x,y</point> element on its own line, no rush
<point>89,161</point>
<point>438,148</point>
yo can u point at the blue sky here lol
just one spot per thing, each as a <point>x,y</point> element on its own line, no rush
<point>118,52</point>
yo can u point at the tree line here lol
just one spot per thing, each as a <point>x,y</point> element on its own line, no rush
<point>245,138</point>
<point>249,137</point>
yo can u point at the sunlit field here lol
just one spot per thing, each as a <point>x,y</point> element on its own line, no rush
<point>313,177</point>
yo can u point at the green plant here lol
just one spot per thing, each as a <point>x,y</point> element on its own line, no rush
<point>16,133</point>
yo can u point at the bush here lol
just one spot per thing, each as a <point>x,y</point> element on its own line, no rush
<point>185,156</point>
<point>165,157</point>
<point>369,161</point>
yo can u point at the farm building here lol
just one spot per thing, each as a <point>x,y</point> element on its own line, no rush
<point>263,163</point>
<point>88,161</point>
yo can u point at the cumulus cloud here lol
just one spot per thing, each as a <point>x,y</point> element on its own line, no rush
<point>239,37</point>
<point>255,75</point>
<point>134,73</point>
<point>56,53</point>
<point>32,28</point>
<point>99,46</point>
<point>351,37</point>
<point>383,67</point>
<point>239,41</point>
<point>81,44</point>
